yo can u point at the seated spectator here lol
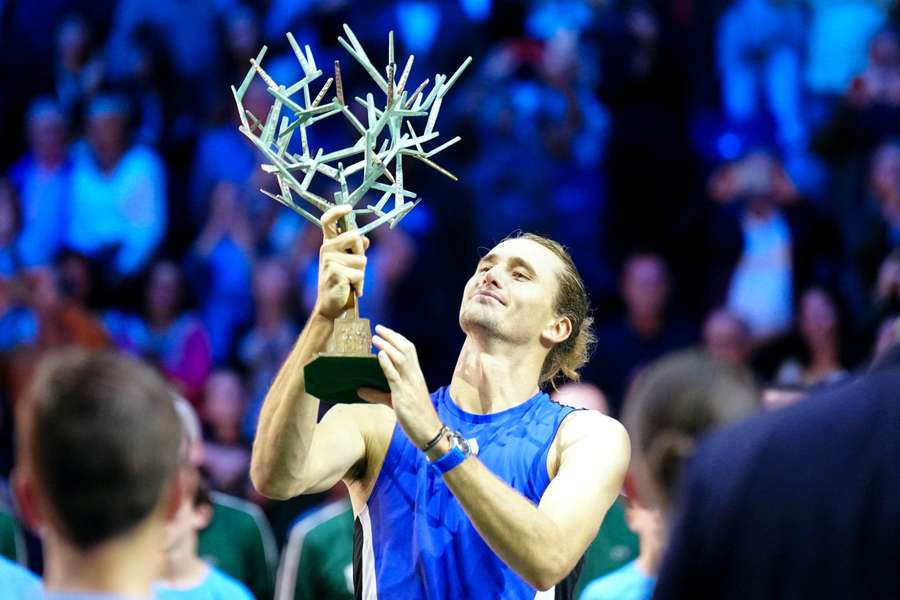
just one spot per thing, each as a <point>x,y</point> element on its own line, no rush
<point>219,269</point>
<point>118,195</point>
<point>765,244</point>
<point>18,583</point>
<point>78,71</point>
<point>185,575</point>
<point>42,178</point>
<point>97,472</point>
<point>317,561</point>
<point>645,333</point>
<point>266,345</point>
<point>673,403</point>
<point>821,328</point>
<point>726,339</point>
<point>238,540</point>
<point>168,335</point>
<point>226,456</point>
<point>176,340</point>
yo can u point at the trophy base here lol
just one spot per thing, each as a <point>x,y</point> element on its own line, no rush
<point>334,378</point>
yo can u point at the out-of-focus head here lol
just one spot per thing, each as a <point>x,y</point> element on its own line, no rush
<point>272,283</point>
<point>192,441</point>
<point>242,35</point>
<point>819,320</point>
<point>726,338</point>
<point>73,40</point>
<point>10,213</point>
<point>107,128</point>
<point>527,291</point>
<point>47,128</point>
<point>884,175</point>
<point>582,395</point>
<point>165,292</point>
<point>98,448</point>
<point>884,49</point>
<point>756,178</point>
<point>671,405</point>
<point>645,285</point>
<point>224,401</point>
<point>76,277</point>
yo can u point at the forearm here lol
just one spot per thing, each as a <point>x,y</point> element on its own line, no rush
<point>288,417</point>
<point>525,538</point>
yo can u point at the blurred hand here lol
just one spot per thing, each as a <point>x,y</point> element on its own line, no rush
<point>342,265</point>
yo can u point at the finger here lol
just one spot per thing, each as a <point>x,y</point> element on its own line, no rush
<point>397,340</point>
<point>354,276</point>
<point>374,396</point>
<point>330,218</point>
<point>349,241</point>
<point>397,357</point>
<point>354,261</point>
<point>390,371</point>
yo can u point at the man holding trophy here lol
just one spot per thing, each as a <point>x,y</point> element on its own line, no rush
<point>484,488</point>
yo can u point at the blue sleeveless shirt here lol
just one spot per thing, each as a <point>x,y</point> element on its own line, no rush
<point>413,539</point>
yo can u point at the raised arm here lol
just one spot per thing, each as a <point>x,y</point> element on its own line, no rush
<point>292,454</point>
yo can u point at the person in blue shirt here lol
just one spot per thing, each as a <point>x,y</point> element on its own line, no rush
<point>185,575</point>
<point>97,472</point>
<point>485,488</point>
<point>17,582</point>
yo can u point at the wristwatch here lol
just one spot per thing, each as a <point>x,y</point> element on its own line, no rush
<point>459,451</point>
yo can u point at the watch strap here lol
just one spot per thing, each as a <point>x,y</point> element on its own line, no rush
<point>449,461</point>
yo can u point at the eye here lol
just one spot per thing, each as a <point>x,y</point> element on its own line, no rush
<point>520,275</point>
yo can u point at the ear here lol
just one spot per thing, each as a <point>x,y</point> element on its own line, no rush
<point>557,331</point>
<point>28,499</point>
<point>181,487</point>
<point>203,515</point>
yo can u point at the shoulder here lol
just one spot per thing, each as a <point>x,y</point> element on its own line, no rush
<point>240,513</point>
<point>225,586</point>
<point>17,576</point>
<point>586,434</point>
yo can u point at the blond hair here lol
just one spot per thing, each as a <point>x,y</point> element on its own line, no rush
<point>567,357</point>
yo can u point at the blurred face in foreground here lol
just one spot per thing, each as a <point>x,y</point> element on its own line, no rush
<point>512,296</point>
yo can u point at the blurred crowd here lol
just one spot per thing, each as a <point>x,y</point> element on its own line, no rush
<point>725,173</point>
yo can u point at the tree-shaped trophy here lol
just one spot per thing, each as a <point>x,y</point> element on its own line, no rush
<point>348,364</point>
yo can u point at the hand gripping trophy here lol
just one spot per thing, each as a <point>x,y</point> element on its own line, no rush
<point>334,376</point>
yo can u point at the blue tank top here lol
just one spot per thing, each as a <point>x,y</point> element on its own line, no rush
<point>413,540</point>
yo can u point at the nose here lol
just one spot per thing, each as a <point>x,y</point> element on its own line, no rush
<point>490,277</point>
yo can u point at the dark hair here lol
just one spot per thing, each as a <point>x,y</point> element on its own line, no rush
<point>673,403</point>
<point>566,357</point>
<point>103,439</point>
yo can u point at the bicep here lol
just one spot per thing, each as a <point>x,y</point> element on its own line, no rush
<point>338,445</point>
<point>593,460</point>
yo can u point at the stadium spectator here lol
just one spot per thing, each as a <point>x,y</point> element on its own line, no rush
<point>219,269</point>
<point>226,455</point>
<point>733,537</point>
<point>822,332</point>
<point>265,346</point>
<point>42,178</point>
<point>118,211</point>
<point>185,576</point>
<point>97,472</point>
<point>644,333</point>
<point>673,403</point>
<point>726,339</point>
<point>78,70</point>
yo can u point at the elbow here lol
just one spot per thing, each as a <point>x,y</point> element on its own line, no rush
<point>269,486</point>
<point>552,569</point>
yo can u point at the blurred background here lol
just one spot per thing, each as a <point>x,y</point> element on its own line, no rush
<point>726,174</point>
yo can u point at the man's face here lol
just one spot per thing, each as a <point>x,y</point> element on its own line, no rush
<point>512,293</point>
